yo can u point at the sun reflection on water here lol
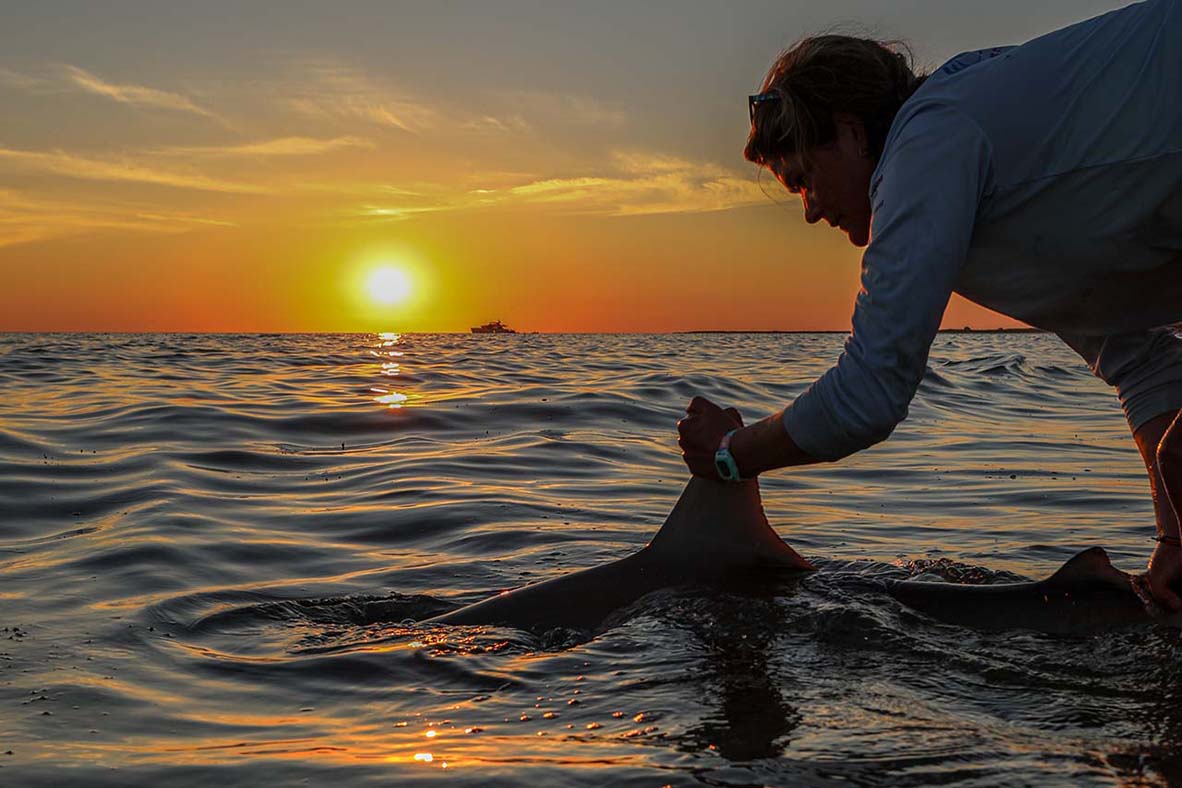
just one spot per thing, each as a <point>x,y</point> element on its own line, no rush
<point>391,398</point>
<point>391,369</point>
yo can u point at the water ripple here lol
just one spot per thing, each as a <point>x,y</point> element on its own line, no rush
<point>218,551</point>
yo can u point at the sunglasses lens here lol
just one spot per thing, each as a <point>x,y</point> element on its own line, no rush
<point>759,98</point>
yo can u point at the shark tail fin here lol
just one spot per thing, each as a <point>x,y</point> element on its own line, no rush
<point>1092,565</point>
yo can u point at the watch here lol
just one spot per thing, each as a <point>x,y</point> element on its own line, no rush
<point>724,461</point>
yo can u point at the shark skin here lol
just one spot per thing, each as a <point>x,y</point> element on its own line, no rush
<point>1087,594</point>
<point>718,533</point>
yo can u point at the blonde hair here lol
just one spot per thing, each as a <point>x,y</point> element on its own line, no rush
<point>823,75</point>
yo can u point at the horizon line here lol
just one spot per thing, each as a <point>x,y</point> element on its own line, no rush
<point>965,330</point>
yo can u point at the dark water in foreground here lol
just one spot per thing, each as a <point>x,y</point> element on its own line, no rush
<point>213,548</point>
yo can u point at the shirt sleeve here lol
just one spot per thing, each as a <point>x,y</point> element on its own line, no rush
<point>924,198</point>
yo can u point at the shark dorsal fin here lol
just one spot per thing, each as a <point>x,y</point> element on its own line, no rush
<point>721,527</point>
<point>1090,566</point>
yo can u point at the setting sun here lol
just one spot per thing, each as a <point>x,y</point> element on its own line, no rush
<point>388,285</point>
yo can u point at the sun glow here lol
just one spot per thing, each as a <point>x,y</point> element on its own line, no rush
<point>388,285</point>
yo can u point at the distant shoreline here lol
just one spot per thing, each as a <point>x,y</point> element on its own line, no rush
<point>846,331</point>
<point>4,332</point>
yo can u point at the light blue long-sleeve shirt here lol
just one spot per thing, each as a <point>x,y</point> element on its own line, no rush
<point>1042,181</point>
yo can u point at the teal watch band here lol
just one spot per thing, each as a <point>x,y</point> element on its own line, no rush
<point>724,461</point>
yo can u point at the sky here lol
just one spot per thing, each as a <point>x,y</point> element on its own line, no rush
<point>563,166</point>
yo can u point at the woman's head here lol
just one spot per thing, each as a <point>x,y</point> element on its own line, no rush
<point>821,120</point>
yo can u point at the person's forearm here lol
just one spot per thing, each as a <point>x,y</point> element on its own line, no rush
<point>765,446</point>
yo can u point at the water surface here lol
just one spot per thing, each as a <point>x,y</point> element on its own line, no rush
<point>214,550</point>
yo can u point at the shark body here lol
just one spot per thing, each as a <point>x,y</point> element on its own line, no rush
<point>718,533</point>
<point>1086,594</point>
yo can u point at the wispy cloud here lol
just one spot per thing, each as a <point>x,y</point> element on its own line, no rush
<point>633,184</point>
<point>489,124</point>
<point>325,89</point>
<point>396,212</point>
<point>72,166</point>
<point>27,82</point>
<point>570,108</point>
<point>281,146</point>
<point>564,189</point>
<point>24,218</point>
<point>330,90</point>
<point>644,183</point>
<point>133,94</point>
<point>388,202</point>
<point>181,220</point>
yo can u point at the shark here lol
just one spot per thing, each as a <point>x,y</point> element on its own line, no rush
<point>718,534</point>
<point>1087,594</point>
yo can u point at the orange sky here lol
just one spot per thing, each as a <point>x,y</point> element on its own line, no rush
<point>220,172</point>
<point>548,273</point>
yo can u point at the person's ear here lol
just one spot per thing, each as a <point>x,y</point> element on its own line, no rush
<point>854,126</point>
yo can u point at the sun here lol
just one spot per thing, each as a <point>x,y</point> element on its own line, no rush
<point>388,285</point>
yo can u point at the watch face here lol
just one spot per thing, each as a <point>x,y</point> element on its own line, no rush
<point>722,468</point>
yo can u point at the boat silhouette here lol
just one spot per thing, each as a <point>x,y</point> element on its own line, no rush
<point>495,327</point>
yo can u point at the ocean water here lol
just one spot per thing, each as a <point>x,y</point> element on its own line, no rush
<point>214,551</point>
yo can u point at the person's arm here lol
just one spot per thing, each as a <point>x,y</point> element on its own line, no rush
<point>925,198</point>
<point>765,446</point>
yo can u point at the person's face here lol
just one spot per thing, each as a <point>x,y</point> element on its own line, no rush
<point>833,181</point>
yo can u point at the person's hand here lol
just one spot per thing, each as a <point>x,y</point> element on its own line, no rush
<point>700,432</point>
<point>1165,575</point>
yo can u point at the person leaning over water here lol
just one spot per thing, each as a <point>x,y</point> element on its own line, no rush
<point>1043,181</point>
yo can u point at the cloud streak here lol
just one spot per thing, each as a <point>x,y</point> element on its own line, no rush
<point>133,94</point>
<point>653,184</point>
<point>642,183</point>
<point>27,219</point>
<point>72,166</point>
<point>636,184</point>
<point>331,91</point>
<point>280,146</point>
<point>27,82</point>
<point>566,107</point>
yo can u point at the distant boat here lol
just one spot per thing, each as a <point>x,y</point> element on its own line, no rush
<point>495,327</point>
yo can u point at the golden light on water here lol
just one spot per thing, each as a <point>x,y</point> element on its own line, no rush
<point>389,368</point>
<point>391,398</point>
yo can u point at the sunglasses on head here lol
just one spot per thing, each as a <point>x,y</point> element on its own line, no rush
<point>759,98</point>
